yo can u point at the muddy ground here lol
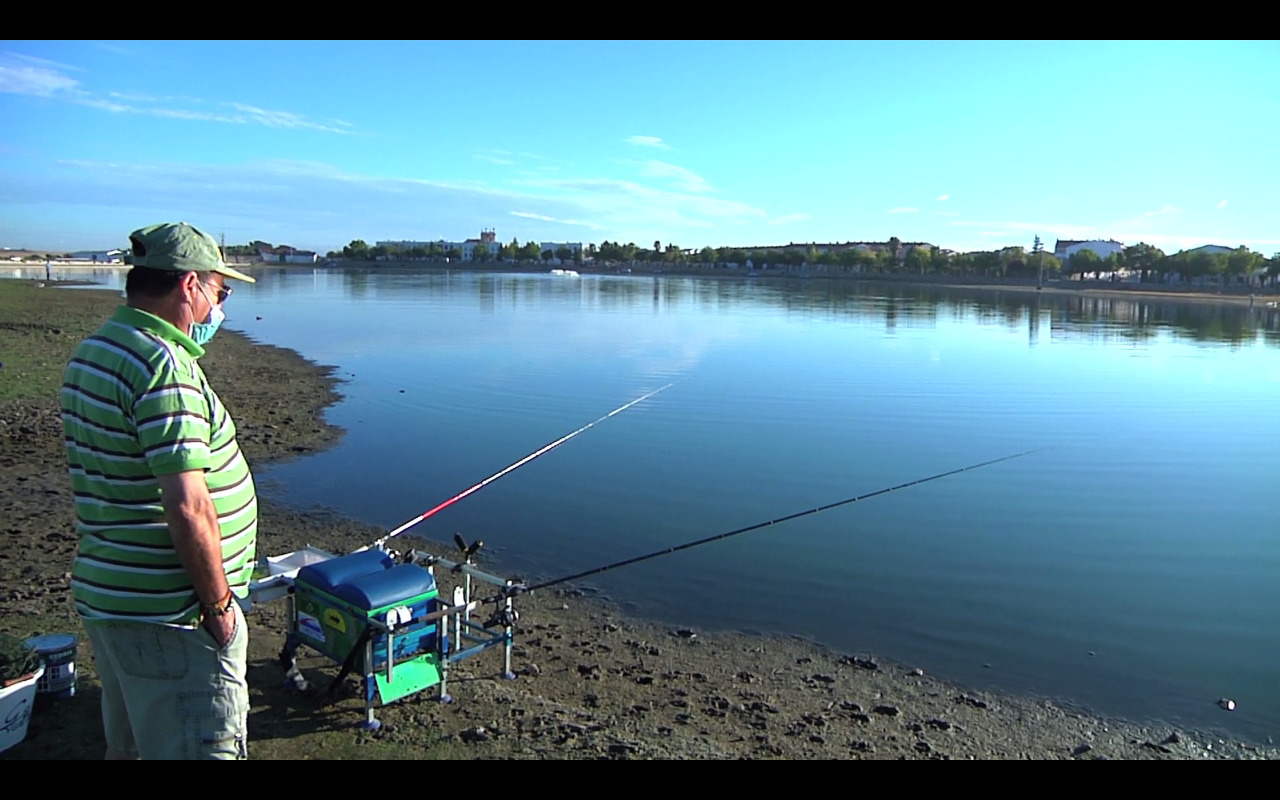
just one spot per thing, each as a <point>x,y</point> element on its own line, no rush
<point>591,682</point>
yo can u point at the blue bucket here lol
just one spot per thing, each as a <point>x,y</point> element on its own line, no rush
<point>58,651</point>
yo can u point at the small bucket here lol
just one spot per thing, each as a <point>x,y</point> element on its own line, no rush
<point>58,651</point>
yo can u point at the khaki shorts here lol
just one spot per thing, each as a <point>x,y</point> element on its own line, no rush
<point>172,693</point>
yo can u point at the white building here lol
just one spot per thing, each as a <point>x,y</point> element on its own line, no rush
<point>470,246</point>
<point>553,246</point>
<point>99,256</point>
<point>1103,249</point>
<point>285,254</point>
<point>487,242</point>
<point>1212,249</point>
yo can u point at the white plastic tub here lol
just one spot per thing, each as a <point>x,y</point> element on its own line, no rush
<point>15,709</point>
<point>281,570</point>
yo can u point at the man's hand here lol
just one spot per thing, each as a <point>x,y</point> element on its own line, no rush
<point>222,627</point>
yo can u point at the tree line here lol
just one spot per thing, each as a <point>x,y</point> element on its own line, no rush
<point>359,250</point>
<point>1149,262</point>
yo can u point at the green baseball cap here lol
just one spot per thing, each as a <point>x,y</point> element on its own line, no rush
<point>181,247</point>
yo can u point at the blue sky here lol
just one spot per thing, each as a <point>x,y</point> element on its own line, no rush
<point>968,145</point>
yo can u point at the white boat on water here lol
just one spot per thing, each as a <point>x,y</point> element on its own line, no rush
<point>565,273</point>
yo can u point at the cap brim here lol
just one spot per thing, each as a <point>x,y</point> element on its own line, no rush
<point>234,273</point>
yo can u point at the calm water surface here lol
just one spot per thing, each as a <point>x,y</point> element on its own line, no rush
<point>1131,566</point>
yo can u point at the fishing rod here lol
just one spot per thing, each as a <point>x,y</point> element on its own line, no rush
<point>410,523</point>
<point>518,588</point>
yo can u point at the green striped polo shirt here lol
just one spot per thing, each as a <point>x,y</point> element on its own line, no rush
<point>135,404</point>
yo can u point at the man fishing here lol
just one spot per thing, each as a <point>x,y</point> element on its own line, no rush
<point>166,509</point>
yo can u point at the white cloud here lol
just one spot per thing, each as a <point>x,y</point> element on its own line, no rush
<point>105,105</point>
<point>785,218</point>
<point>627,206</point>
<point>942,197</point>
<point>647,141</point>
<point>321,206</point>
<point>114,48</point>
<point>1223,204</point>
<point>494,159</point>
<point>139,98</point>
<point>683,177</point>
<point>37,81</point>
<point>545,218</point>
<point>948,213</point>
<point>242,115</point>
<point>1162,211</point>
<point>9,55</point>
<point>280,119</point>
<point>903,210</point>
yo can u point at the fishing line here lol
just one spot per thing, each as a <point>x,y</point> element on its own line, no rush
<point>757,526</point>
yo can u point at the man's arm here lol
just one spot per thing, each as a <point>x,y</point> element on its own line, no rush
<point>197,538</point>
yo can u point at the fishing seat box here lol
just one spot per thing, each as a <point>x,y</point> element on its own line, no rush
<point>334,599</point>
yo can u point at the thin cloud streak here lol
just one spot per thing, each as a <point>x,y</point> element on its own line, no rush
<point>43,81</point>
<point>545,218</point>
<point>647,141</point>
<point>34,81</point>
<point>785,218</point>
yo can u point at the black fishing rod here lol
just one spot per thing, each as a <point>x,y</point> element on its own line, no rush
<point>519,589</point>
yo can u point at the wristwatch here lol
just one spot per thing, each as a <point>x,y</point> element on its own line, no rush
<point>219,607</point>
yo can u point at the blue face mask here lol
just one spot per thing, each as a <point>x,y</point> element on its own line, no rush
<point>202,332</point>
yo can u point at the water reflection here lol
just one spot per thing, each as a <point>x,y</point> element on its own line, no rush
<point>897,307</point>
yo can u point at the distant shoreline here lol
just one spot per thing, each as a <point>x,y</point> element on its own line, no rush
<point>1235,296</point>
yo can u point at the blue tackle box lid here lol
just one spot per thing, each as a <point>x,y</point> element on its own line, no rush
<point>378,589</point>
<point>328,575</point>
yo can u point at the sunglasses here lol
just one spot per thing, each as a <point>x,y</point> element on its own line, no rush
<point>223,292</point>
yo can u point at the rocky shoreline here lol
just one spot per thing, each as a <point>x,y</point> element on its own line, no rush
<point>591,681</point>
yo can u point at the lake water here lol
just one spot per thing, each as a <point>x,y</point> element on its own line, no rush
<point>1131,566</point>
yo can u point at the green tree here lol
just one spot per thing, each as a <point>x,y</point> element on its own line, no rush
<point>708,255</point>
<point>1143,258</point>
<point>1083,262</point>
<point>918,260</point>
<point>1043,264</point>
<point>1241,262</point>
<point>986,262</point>
<point>357,250</point>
